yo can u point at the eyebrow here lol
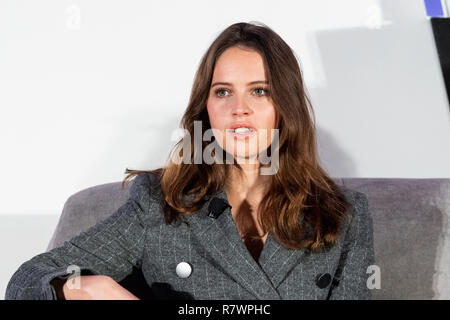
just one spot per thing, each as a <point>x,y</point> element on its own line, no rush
<point>229,84</point>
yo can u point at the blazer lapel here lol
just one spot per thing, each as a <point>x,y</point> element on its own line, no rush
<point>277,261</point>
<point>225,249</point>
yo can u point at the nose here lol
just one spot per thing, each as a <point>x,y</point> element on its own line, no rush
<point>240,106</point>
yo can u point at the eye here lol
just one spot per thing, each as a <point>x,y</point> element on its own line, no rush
<point>220,90</point>
<point>261,88</point>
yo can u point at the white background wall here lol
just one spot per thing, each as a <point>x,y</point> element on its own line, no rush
<point>88,88</point>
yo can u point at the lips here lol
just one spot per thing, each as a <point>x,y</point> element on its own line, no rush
<point>242,125</point>
<point>242,136</point>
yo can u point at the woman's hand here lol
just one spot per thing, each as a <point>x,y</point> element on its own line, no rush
<point>97,287</point>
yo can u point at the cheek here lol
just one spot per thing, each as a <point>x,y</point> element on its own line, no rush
<point>268,120</point>
<point>268,117</point>
<point>215,116</point>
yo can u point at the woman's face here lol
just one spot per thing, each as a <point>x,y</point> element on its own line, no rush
<point>239,97</point>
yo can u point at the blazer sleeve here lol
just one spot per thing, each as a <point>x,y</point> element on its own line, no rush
<point>350,281</point>
<point>112,247</point>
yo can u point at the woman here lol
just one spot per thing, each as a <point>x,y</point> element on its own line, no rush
<point>249,229</point>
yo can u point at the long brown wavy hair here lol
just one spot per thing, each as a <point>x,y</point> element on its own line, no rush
<point>303,207</point>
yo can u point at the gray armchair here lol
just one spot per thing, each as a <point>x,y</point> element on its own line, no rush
<point>411,232</point>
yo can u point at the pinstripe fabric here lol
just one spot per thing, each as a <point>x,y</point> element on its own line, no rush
<point>222,267</point>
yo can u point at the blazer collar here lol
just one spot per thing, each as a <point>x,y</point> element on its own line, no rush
<point>224,246</point>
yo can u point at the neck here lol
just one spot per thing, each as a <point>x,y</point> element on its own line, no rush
<point>247,183</point>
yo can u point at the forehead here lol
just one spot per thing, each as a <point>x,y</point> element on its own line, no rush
<point>239,66</point>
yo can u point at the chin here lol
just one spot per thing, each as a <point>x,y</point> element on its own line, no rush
<point>249,158</point>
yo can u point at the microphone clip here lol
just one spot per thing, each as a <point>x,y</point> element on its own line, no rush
<point>216,207</point>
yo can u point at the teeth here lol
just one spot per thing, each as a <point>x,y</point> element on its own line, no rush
<point>242,130</point>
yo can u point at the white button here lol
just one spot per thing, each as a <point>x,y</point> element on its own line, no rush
<point>183,270</point>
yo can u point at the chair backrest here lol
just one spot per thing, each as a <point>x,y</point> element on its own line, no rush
<point>411,230</point>
<point>86,208</point>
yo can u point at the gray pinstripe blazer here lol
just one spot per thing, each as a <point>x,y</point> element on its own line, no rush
<point>136,236</point>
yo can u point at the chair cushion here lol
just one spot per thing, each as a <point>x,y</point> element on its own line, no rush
<point>411,235</point>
